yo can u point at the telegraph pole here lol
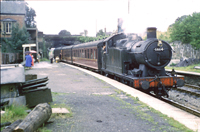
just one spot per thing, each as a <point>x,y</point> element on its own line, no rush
<point>128,5</point>
<point>96,28</point>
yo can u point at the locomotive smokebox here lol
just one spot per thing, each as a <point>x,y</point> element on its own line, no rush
<point>151,32</point>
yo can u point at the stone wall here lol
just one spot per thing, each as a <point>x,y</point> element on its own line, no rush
<point>184,51</point>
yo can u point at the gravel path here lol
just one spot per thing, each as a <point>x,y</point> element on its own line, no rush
<point>96,106</point>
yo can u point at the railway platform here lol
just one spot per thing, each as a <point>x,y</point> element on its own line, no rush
<point>99,103</point>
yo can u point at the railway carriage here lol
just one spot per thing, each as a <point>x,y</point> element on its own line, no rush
<point>66,54</point>
<point>88,54</point>
<point>57,52</point>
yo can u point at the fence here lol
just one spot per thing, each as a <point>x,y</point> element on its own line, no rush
<point>10,58</point>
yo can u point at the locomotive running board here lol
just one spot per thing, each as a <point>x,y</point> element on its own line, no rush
<point>167,81</point>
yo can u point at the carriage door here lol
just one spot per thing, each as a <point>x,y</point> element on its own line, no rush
<point>104,52</point>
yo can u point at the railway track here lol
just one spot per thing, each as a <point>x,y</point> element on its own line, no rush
<point>181,106</point>
<point>178,105</point>
<point>189,89</point>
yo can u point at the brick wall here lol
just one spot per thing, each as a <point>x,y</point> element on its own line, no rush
<point>18,18</point>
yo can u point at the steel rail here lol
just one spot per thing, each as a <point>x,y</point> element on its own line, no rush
<point>187,91</point>
<point>181,106</point>
<point>193,86</point>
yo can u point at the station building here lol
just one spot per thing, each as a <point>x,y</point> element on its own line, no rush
<point>13,12</point>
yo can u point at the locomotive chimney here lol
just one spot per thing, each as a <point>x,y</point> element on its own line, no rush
<point>151,32</point>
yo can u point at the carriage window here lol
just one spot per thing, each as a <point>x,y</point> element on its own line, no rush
<point>91,55</point>
<point>94,54</point>
<point>75,53</point>
<point>85,54</point>
<point>110,43</point>
<point>88,54</point>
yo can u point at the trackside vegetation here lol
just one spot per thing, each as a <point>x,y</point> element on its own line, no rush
<point>187,30</point>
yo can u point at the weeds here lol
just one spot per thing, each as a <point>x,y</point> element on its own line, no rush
<point>44,59</point>
<point>13,113</point>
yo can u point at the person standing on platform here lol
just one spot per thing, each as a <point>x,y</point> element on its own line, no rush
<point>60,57</point>
<point>28,61</point>
<point>38,58</point>
<point>32,63</point>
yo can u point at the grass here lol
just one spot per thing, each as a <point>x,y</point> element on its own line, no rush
<point>44,59</point>
<point>56,93</point>
<point>13,113</point>
<point>188,68</point>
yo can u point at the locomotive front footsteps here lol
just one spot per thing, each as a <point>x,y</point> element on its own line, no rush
<point>129,59</point>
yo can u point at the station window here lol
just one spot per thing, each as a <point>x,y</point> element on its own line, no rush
<point>7,27</point>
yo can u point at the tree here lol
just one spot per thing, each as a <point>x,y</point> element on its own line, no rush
<point>100,33</point>
<point>29,17</point>
<point>187,30</point>
<point>164,35</point>
<point>180,19</point>
<point>14,44</point>
<point>86,32</point>
<point>64,33</point>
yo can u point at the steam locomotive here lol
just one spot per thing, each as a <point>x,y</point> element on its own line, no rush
<point>128,59</point>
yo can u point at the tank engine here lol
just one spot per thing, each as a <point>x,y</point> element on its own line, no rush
<point>140,63</point>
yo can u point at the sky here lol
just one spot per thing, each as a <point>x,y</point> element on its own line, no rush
<point>76,16</point>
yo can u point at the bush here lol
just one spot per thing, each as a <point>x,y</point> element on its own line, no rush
<point>187,30</point>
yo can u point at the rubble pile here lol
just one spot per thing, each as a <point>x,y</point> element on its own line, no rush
<point>187,61</point>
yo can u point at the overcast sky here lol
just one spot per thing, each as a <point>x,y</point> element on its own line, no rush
<point>76,16</point>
